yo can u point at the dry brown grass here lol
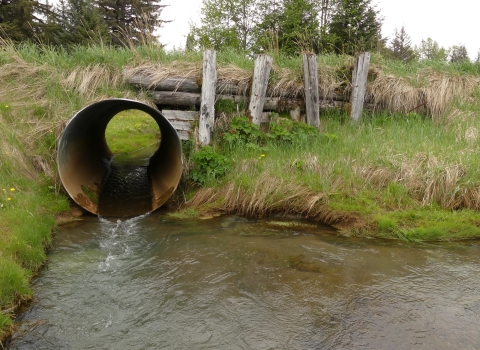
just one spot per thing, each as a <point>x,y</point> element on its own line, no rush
<point>156,72</point>
<point>435,96</point>
<point>287,83</point>
<point>16,159</point>
<point>20,79</point>
<point>230,74</point>
<point>427,179</point>
<point>86,80</point>
<point>271,195</point>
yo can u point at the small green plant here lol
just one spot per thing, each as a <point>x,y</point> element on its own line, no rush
<point>289,131</point>
<point>226,106</point>
<point>208,165</point>
<point>5,111</point>
<point>241,130</point>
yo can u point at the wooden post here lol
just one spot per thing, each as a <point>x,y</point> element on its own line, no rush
<point>207,110</point>
<point>295,113</point>
<point>261,73</point>
<point>310,71</point>
<point>359,85</point>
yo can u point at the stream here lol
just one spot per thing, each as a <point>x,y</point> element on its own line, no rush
<point>234,283</point>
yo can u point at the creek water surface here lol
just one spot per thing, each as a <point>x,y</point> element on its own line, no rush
<point>234,283</point>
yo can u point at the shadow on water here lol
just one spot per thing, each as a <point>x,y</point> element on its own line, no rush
<point>234,283</point>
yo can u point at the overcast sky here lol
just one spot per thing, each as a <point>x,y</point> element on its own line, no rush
<point>449,23</point>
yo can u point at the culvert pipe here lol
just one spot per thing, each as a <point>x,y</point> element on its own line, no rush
<point>85,162</point>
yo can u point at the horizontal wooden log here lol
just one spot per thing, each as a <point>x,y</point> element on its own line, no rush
<point>184,135</point>
<point>176,98</point>
<point>179,84</point>
<point>168,84</point>
<point>182,121</point>
<point>182,126</point>
<point>224,87</point>
<point>174,115</point>
<point>186,99</point>
<point>276,104</point>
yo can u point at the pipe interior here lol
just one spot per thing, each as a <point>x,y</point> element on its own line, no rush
<point>98,183</point>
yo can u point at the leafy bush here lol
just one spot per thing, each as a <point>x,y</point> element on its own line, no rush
<point>288,131</point>
<point>241,130</point>
<point>208,165</point>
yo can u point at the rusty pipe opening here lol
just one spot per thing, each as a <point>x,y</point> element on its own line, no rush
<point>85,163</point>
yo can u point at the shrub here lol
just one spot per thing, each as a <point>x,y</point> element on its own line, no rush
<point>208,165</point>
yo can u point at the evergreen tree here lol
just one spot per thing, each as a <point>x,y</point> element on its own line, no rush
<point>459,54</point>
<point>430,50</point>
<point>401,46</point>
<point>22,20</point>
<point>298,27</point>
<point>355,26</point>
<point>131,20</point>
<point>81,22</point>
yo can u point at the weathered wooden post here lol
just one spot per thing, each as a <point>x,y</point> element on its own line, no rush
<point>207,110</point>
<point>312,98</point>
<point>261,73</point>
<point>359,85</point>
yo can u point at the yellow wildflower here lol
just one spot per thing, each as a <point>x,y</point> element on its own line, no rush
<point>9,199</point>
<point>12,189</point>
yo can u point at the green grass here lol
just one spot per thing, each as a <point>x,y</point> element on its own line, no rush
<point>130,131</point>
<point>27,219</point>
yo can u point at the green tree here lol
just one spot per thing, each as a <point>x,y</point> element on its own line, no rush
<point>80,22</point>
<point>459,54</point>
<point>131,20</point>
<point>298,27</point>
<point>325,10</point>
<point>267,29</point>
<point>401,46</point>
<point>224,24</point>
<point>355,26</point>
<point>430,50</point>
<point>22,20</point>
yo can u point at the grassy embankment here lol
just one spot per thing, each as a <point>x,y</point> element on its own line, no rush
<point>394,175</point>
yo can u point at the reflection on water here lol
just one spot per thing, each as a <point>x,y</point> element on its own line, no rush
<point>233,283</point>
